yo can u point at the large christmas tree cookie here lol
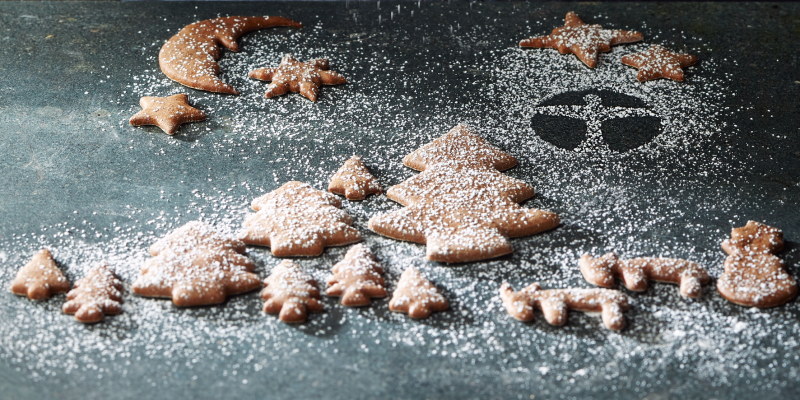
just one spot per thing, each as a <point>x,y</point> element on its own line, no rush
<point>196,266</point>
<point>461,206</point>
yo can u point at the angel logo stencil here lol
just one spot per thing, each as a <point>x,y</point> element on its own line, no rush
<point>596,121</point>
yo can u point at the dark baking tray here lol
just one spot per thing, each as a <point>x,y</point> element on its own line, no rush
<point>76,178</point>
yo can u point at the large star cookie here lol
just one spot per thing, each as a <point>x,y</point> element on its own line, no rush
<point>658,62</point>
<point>581,39</point>
<point>195,266</point>
<point>298,220</point>
<point>295,76</point>
<point>168,113</point>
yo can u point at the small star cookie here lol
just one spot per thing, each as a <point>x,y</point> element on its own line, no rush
<point>295,76</point>
<point>40,278</point>
<point>581,39</point>
<point>658,62</point>
<point>354,181</point>
<point>168,113</point>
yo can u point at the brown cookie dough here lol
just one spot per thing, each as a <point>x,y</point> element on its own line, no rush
<point>40,278</point>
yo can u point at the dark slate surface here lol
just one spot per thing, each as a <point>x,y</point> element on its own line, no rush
<point>59,165</point>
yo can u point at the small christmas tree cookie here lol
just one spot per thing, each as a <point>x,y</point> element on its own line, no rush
<point>291,292</point>
<point>416,296</point>
<point>357,278</point>
<point>354,181</point>
<point>97,294</point>
<point>40,278</point>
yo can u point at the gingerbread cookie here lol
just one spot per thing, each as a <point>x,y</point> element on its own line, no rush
<point>754,276</point>
<point>40,278</point>
<point>295,76</point>
<point>354,181</point>
<point>357,278</point>
<point>463,209</point>
<point>555,303</point>
<point>97,294</point>
<point>637,271</point>
<point>585,41</point>
<point>196,266</point>
<point>168,113</point>
<point>190,57</point>
<point>298,220</point>
<point>658,62</point>
<point>416,295</point>
<point>291,292</point>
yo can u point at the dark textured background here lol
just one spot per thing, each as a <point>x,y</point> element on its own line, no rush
<point>51,53</point>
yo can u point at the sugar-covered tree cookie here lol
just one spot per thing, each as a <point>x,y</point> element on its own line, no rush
<point>754,276</point>
<point>40,278</point>
<point>357,278</point>
<point>416,296</point>
<point>291,292</point>
<point>354,181</point>
<point>298,220</point>
<point>195,265</point>
<point>636,272</point>
<point>555,303</point>
<point>461,206</point>
<point>97,294</point>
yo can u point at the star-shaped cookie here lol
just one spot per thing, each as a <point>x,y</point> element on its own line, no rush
<point>658,62</point>
<point>581,39</point>
<point>168,113</point>
<point>295,76</point>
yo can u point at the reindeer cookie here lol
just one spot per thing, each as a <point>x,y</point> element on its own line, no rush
<point>40,278</point>
<point>636,272</point>
<point>555,303</point>
<point>754,276</point>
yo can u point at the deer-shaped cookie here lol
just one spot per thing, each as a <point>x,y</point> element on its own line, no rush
<point>754,276</point>
<point>636,272</point>
<point>555,304</point>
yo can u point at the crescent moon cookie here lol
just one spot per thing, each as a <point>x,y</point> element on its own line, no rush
<point>40,278</point>
<point>291,292</point>
<point>461,207</point>
<point>658,62</point>
<point>168,113</point>
<point>754,276</point>
<point>416,296</point>
<point>298,220</point>
<point>637,271</point>
<point>190,57</point>
<point>583,40</point>
<point>295,76</point>
<point>97,294</point>
<point>354,181</point>
<point>357,278</point>
<point>555,303</point>
<point>196,266</point>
